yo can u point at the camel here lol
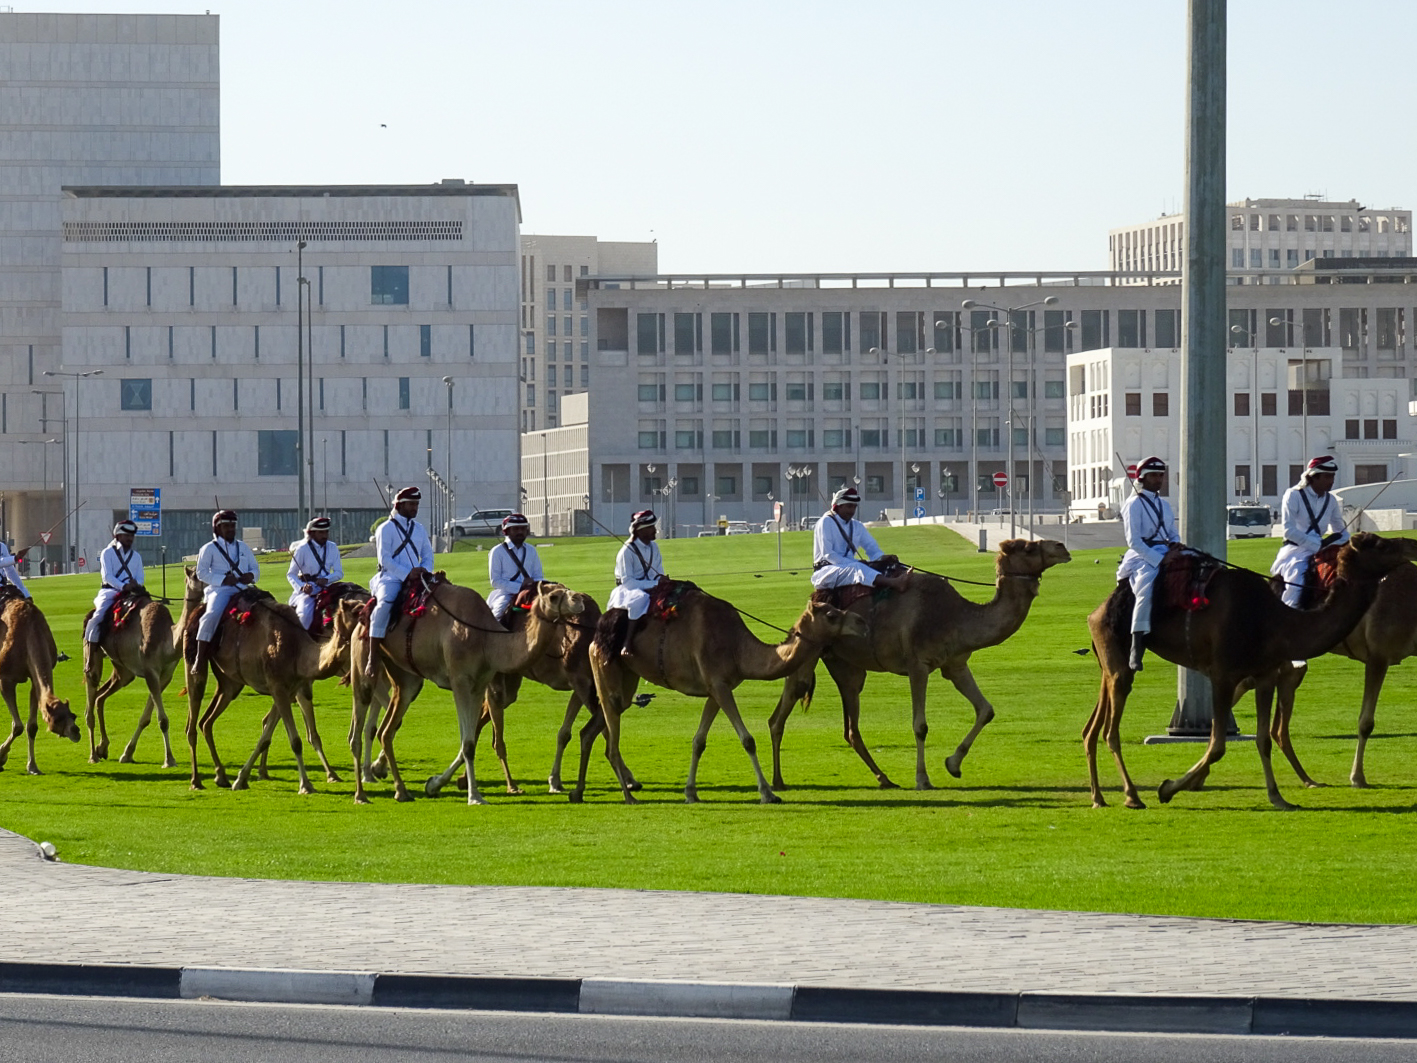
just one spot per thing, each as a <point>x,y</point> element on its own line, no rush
<point>28,653</point>
<point>458,646</point>
<point>1242,638</point>
<point>929,626</point>
<point>147,645</point>
<point>704,651</point>
<point>274,655</point>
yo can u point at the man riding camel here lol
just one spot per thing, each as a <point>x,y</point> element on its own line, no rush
<point>638,569</point>
<point>403,549</point>
<point>120,567</point>
<point>10,570</point>
<point>227,566</point>
<point>314,565</point>
<point>1150,528</point>
<point>838,542</point>
<point>513,565</point>
<point>1310,519</point>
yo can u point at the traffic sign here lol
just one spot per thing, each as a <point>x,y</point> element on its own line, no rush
<point>919,512</point>
<point>1001,479</point>
<point>82,562</point>
<point>145,509</point>
<point>920,494</point>
<point>44,537</point>
<point>1131,472</point>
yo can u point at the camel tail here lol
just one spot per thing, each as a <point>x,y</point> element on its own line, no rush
<point>610,632</point>
<point>809,690</point>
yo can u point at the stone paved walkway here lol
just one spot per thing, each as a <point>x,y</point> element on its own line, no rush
<point>68,913</point>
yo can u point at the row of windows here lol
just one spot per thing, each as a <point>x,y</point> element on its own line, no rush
<point>839,390</point>
<point>202,341</point>
<point>951,435</point>
<point>135,394</point>
<point>264,285</point>
<point>276,454</point>
<point>877,479</point>
<point>1318,223</point>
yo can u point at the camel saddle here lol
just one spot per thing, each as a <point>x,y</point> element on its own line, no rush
<point>9,593</point>
<point>411,601</point>
<point>1319,576</point>
<point>847,595</point>
<point>128,603</point>
<point>1185,579</point>
<point>239,609</point>
<point>666,596</point>
<point>327,601</point>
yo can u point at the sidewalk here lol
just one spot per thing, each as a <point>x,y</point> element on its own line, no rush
<point>57,913</point>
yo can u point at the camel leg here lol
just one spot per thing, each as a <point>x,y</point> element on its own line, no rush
<point>1289,680</point>
<point>1121,689</point>
<point>97,695</point>
<point>362,723</point>
<point>1264,744</point>
<point>32,729</point>
<point>17,728</point>
<point>849,681</point>
<point>794,689</point>
<point>919,680</point>
<point>304,698</point>
<point>287,717</point>
<point>1374,673</point>
<point>963,680</point>
<point>620,688</point>
<point>499,746</point>
<point>196,690</point>
<point>1215,748</point>
<point>220,700</point>
<point>469,709</point>
<point>594,726</point>
<point>691,788</point>
<point>404,690</point>
<point>724,696</point>
<point>268,726</point>
<point>563,739</point>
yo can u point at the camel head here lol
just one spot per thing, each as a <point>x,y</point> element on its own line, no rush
<point>556,601</point>
<point>58,718</point>
<point>1371,557</point>
<point>1020,557</point>
<point>194,585</point>
<point>825,623</point>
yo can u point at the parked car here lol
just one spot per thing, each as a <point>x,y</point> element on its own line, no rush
<point>739,527</point>
<point>809,523</point>
<point>478,522</point>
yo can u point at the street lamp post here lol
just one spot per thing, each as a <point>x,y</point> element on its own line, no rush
<point>1236,332</point>
<point>300,511</point>
<point>44,478</point>
<point>669,487</point>
<point>78,410</point>
<point>1008,313</point>
<point>1303,379</point>
<point>452,489</point>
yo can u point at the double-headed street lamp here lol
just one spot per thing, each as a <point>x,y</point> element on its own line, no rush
<point>75,377</point>
<point>1289,326</point>
<point>1008,313</point>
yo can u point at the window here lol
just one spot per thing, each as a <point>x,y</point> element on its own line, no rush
<point>585,375</point>
<point>909,331</point>
<point>650,392</point>
<point>724,439</point>
<point>723,333</point>
<point>551,274</point>
<point>944,325</point>
<point>762,485</point>
<point>1269,404</point>
<point>987,389</point>
<point>873,328</point>
<point>1369,474</point>
<point>722,392</point>
<point>688,393</point>
<point>688,487</point>
<point>798,391</point>
<point>275,453</point>
<point>388,285</point>
<point>1242,404</point>
<point>762,438</point>
<point>649,333</point>
<point>1133,403</point>
<point>797,332</point>
<point>1269,479</point>
<point>403,392</point>
<point>1256,258</point>
<point>946,389</point>
<point>1053,389</point>
<point>1350,430</point>
<point>685,333</point>
<point>1237,258</point>
<point>1390,429</point>
<point>870,390</point>
<point>1160,404</point>
<point>136,393</point>
<point>1019,389</point>
<point>425,341</point>
<point>949,437</point>
<point>1054,437</point>
<point>1095,330</point>
<point>1241,482</point>
<point>836,332</point>
<point>834,391</point>
<point>871,437</point>
<point>761,333</point>
<point>797,439</point>
<point>648,439</point>
<point>1055,331</point>
<point>760,392</point>
<point>836,438</point>
<point>875,484</point>
<point>725,486</point>
<point>551,326</point>
<point>1167,334</point>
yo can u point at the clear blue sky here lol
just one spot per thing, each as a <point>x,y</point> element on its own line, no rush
<point>758,135</point>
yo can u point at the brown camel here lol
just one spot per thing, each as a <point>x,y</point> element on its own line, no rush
<point>928,626</point>
<point>704,651</point>
<point>148,644</point>
<point>1242,638</point>
<point>28,653</point>
<point>457,645</point>
<point>274,655</point>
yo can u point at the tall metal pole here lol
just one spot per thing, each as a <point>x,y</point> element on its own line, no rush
<point>300,514</point>
<point>310,392</point>
<point>1203,341</point>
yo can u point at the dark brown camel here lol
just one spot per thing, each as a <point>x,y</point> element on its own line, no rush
<point>28,654</point>
<point>926,627</point>
<point>148,644</point>
<point>705,651</point>
<point>1242,638</point>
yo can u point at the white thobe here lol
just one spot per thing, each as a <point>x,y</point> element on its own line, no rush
<point>215,561</point>
<point>118,568</point>
<point>310,561</point>
<point>1149,526</point>
<point>835,544</point>
<point>508,567</point>
<point>1305,518</point>
<point>638,567</point>
<point>401,546</point>
<point>9,573</point>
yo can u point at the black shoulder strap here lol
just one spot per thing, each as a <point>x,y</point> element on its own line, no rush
<point>518,561</point>
<point>232,565</point>
<point>1314,520</point>
<point>644,564</point>
<point>124,562</point>
<point>846,534</point>
<point>407,543</point>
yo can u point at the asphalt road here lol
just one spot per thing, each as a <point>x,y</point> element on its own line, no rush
<point>40,1029</point>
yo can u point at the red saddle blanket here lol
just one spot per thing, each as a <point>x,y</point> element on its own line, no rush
<point>239,609</point>
<point>1185,579</point>
<point>125,606</point>
<point>412,600</point>
<point>844,597</point>
<point>666,596</point>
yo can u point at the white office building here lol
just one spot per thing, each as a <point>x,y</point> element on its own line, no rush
<point>1268,235</point>
<point>186,303</point>
<point>86,100</point>
<point>555,325</point>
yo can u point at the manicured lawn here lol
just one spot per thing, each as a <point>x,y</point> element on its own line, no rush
<point>1017,830</point>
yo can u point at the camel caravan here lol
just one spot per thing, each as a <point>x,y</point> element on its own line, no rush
<point>1328,591</point>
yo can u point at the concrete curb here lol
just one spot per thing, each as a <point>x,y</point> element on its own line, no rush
<point>1269,1016</point>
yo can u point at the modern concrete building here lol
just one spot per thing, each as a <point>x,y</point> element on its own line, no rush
<point>556,473</point>
<point>1269,235</point>
<point>1124,405</point>
<point>186,302</point>
<point>84,100</point>
<point>747,390</point>
<point>555,327</point>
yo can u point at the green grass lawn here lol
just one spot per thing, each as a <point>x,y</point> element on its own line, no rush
<point>1017,830</point>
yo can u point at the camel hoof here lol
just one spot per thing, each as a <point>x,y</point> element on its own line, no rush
<point>1166,791</point>
<point>306,789</point>
<point>575,797</point>
<point>127,758</point>
<point>197,785</point>
<point>380,770</point>
<point>631,801</point>
<point>360,799</point>
<point>554,788</point>
<point>1097,802</point>
<point>1282,805</point>
<point>240,784</point>
<point>1134,802</point>
<point>169,763</point>
<point>924,784</point>
<point>886,784</point>
<point>403,795</point>
<point>516,791</point>
<point>636,786</point>
<point>432,786</point>
<point>33,770</point>
<point>1310,784</point>
<point>778,784</point>
<point>476,799</point>
<point>222,781</point>
<point>770,798</point>
<point>96,759</point>
<point>263,775</point>
<point>331,776</point>
<point>691,797</point>
<point>952,766</point>
<point>1359,784</point>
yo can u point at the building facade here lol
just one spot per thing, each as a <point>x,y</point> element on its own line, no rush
<point>748,390</point>
<point>1123,405</point>
<point>556,473</point>
<point>1269,235</point>
<point>86,99</point>
<point>182,306</point>
<point>555,326</point>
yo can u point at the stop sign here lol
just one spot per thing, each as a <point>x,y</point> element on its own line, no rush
<point>1131,472</point>
<point>1001,479</point>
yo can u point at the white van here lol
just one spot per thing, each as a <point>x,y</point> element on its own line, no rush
<point>1248,521</point>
